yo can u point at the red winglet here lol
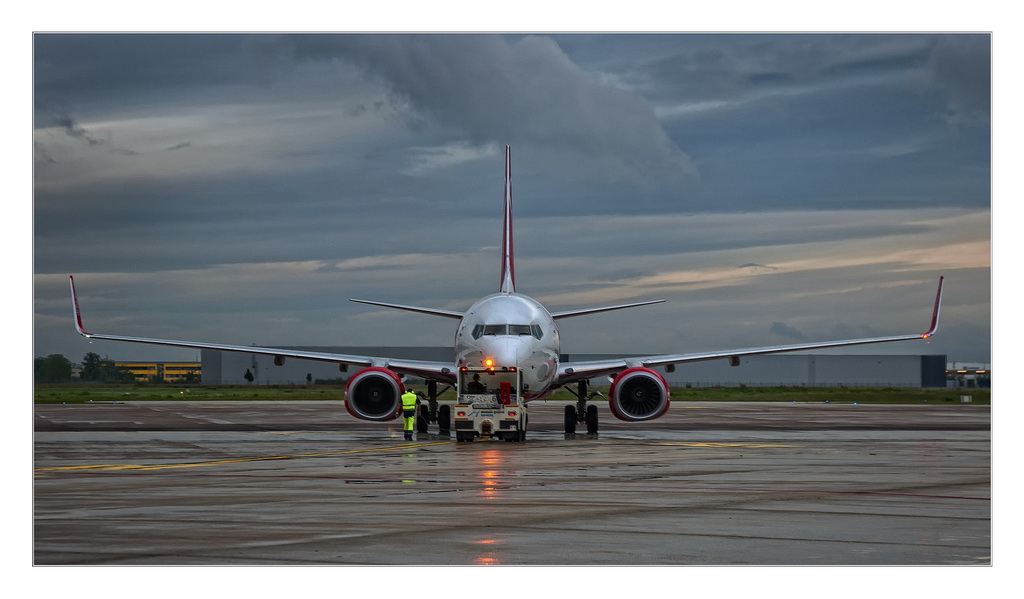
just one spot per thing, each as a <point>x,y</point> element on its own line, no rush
<point>78,311</point>
<point>935,312</point>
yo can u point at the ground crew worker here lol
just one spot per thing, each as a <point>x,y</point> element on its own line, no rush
<point>409,412</point>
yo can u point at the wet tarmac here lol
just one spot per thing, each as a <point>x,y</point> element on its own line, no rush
<point>303,483</point>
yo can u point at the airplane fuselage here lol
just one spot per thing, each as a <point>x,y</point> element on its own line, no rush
<point>510,330</point>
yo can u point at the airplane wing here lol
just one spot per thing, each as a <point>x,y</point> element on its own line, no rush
<point>570,372</point>
<point>439,371</point>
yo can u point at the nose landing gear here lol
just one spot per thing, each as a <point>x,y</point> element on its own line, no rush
<point>433,412</point>
<point>581,413</point>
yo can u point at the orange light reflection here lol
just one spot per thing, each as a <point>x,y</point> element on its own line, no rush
<point>490,477</point>
<point>489,558</point>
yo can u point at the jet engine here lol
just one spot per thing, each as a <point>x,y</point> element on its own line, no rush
<point>638,394</point>
<point>374,394</point>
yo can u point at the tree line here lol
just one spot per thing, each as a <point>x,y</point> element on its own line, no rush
<point>55,368</point>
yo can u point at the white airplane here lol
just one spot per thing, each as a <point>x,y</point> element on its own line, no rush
<point>508,330</point>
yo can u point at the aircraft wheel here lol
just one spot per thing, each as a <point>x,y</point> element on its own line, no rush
<point>421,420</point>
<point>570,419</point>
<point>444,418</point>
<point>591,419</point>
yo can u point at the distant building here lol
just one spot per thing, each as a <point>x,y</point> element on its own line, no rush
<point>229,368</point>
<point>969,374</point>
<point>801,370</point>
<point>791,370</point>
<point>171,372</point>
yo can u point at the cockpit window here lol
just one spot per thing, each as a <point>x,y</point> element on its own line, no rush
<point>507,329</point>
<point>519,329</point>
<point>489,329</point>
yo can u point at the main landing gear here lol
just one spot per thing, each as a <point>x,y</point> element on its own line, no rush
<point>432,413</point>
<point>581,413</point>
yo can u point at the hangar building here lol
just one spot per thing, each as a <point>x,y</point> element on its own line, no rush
<point>756,371</point>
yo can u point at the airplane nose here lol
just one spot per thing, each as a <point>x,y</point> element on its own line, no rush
<point>505,351</point>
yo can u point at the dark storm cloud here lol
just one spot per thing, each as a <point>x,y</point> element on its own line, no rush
<point>765,64</point>
<point>845,331</point>
<point>832,108</point>
<point>955,67</point>
<point>119,70</point>
<point>735,67</point>
<point>779,328</point>
<point>495,89</point>
<point>76,131</point>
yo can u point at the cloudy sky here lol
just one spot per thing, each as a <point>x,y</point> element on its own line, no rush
<point>773,188</point>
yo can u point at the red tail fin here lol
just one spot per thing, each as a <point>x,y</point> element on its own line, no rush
<point>508,267</point>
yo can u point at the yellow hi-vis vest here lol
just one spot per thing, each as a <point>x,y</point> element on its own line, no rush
<point>408,400</point>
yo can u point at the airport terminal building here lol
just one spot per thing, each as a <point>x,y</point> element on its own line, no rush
<point>790,370</point>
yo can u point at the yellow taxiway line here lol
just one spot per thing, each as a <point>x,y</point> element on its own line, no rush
<point>137,467</point>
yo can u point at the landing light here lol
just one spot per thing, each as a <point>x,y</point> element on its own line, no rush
<point>488,362</point>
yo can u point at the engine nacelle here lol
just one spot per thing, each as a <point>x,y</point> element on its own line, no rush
<point>374,394</point>
<point>638,394</point>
